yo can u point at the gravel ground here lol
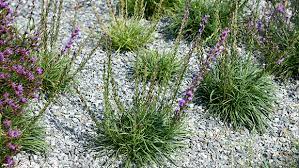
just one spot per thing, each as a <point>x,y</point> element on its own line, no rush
<point>211,142</point>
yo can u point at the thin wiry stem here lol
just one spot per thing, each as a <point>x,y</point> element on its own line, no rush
<point>183,25</point>
<point>57,27</point>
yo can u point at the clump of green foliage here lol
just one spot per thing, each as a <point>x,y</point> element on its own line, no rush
<point>143,131</point>
<point>31,141</point>
<point>238,92</point>
<point>149,7</point>
<point>57,61</point>
<point>53,67</point>
<point>126,33</point>
<point>219,11</point>
<point>277,38</point>
<point>129,34</point>
<point>144,134</point>
<point>152,64</point>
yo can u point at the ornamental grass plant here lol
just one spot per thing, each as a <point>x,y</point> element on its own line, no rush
<point>56,59</point>
<point>164,66</point>
<point>148,129</point>
<point>126,33</point>
<point>220,12</point>
<point>276,35</point>
<point>238,92</point>
<point>149,7</point>
<point>235,89</point>
<point>130,34</point>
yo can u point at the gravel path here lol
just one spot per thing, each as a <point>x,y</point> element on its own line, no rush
<point>211,142</point>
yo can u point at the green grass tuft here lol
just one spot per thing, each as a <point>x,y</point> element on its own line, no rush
<point>129,35</point>
<point>277,38</point>
<point>32,139</point>
<point>150,7</point>
<point>154,65</point>
<point>53,78</point>
<point>239,93</point>
<point>140,136</point>
<point>219,13</point>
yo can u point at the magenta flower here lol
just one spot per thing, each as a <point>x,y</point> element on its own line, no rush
<point>12,147</point>
<point>8,52</point>
<point>1,57</point>
<point>280,8</point>
<point>69,44</point>
<point>23,100</point>
<point>7,123</point>
<point>14,133</point>
<point>39,70</point>
<point>9,162</point>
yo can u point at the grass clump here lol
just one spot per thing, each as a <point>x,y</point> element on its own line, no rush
<point>277,38</point>
<point>53,67</point>
<point>56,60</point>
<point>146,129</point>
<point>126,33</point>
<point>238,92</point>
<point>141,133</point>
<point>129,34</point>
<point>219,12</point>
<point>149,7</point>
<point>152,64</point>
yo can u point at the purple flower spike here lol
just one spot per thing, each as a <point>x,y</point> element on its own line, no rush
<point>23,52</point>
<point>33,59</point>
<point>39,70</point>
<point>1,57</point>
<point>280,8</point>
<point>8,161</point>
<point>75,32</point>
<point>14,133</point>
<point>8,52</point>
<point>12,147</point>
<point>189,93</point>
<point>70,42</point>
<point>203,24</point>
<point>212,57</point>
<point>3,75</point>
<point>259,25</point>
<point>3,4</point>
<point>7,123</point>
<point>182,102</point>
<point>6,95</point>
<point>23,100</point>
